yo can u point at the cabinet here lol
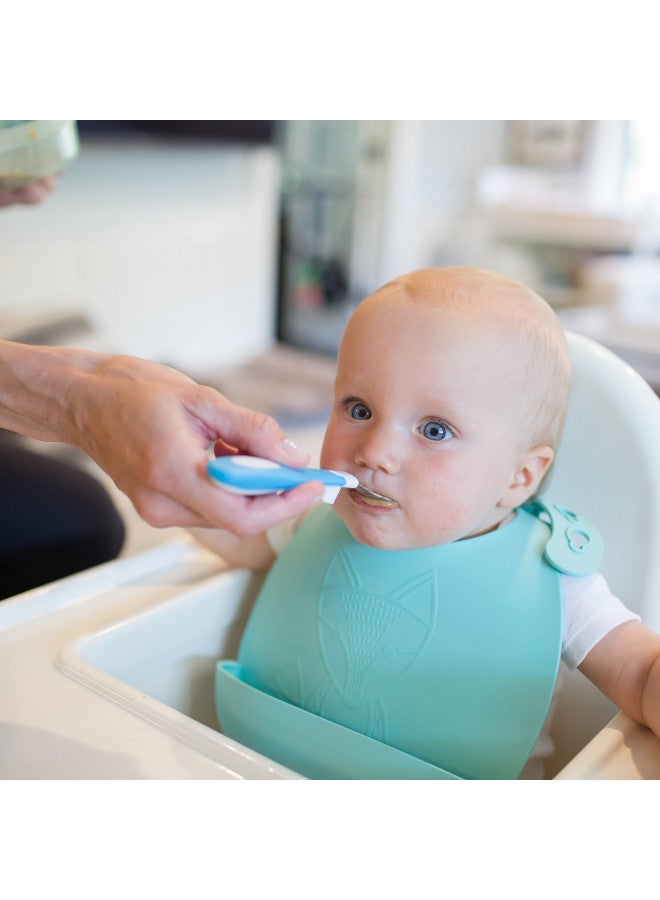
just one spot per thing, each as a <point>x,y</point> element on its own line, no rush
<point>331,212</point>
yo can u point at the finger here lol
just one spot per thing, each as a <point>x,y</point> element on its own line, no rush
<point>33,193</point>
<point>246,516</point>
<point>162,512</point>
<point>256,434</point>
<point>207,505</point>
<point>265,512</point>
<point>9,198</point>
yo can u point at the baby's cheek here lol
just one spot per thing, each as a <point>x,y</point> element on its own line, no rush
<point>439,522</point>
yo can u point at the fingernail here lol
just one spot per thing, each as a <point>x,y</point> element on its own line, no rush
<point>292,448</point>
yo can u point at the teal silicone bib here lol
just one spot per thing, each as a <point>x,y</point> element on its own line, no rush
<point>432,663</point>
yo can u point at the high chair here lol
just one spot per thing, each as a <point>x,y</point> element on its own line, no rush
<point>608,470</point>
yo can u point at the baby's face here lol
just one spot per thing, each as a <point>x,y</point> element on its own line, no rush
<point>426,415</point>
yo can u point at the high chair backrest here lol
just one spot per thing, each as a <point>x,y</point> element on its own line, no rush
<point>608,470</point>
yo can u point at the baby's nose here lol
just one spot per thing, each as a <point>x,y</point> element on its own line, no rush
<point>378,451</point>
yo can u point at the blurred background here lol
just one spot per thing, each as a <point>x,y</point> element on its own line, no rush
<point>235,250</point>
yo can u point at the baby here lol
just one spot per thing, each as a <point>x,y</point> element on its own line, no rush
<point>414,628</point>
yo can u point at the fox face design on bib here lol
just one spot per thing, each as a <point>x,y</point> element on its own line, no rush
<point>368,642</point>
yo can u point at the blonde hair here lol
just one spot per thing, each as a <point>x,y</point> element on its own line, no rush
<point>536,346</point>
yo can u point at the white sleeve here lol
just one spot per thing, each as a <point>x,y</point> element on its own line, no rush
<point>590,611</point>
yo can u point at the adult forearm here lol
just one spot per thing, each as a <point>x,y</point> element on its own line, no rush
<point>40,388</point>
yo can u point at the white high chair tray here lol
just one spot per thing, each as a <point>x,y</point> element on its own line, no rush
<point>109,674</point>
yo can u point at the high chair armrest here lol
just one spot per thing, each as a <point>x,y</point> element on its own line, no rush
<point>623,750</point>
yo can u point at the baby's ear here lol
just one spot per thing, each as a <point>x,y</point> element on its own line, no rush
<point>527,476</point>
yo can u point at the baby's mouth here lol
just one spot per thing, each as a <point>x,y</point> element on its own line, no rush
<point>372,498</point>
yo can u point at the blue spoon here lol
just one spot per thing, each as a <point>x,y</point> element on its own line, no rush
<point>252,475</point>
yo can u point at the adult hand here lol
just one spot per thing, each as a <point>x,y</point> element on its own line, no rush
<point>149,427</point>
<point>32,193</point>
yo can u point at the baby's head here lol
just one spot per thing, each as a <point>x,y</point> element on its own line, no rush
<point>450,398</point>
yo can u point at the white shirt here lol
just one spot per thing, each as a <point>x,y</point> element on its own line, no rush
<point>589,612</point>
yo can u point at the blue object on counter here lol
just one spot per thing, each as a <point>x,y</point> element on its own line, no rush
<point>253,475</point>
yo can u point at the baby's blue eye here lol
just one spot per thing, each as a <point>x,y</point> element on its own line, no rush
<point>436,431</point>
<point>360,411</point>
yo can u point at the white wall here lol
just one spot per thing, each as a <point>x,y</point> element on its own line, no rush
<point>169,247</point>
<point>433,168</point>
